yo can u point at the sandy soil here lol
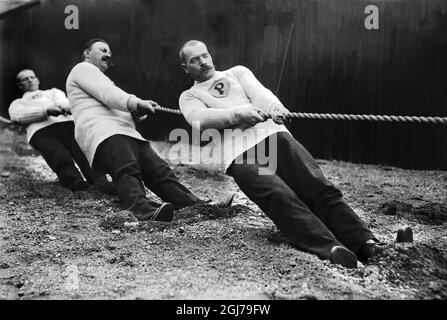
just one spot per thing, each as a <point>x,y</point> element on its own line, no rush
<point>55,244</point>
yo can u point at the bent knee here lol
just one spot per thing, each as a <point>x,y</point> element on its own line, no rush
<point>130,168</point>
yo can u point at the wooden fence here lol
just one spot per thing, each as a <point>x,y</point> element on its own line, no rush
<point>334,63</point>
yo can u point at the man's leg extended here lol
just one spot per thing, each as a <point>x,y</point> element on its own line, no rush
<point>287,211</point>
<point>66,132</point>
<point>303,175</point>
<point>119,156</point>
<point>52,149</point>
<point>160,179</point>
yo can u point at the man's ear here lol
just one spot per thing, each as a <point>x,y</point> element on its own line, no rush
<point>86,51</point>
<point>19,85</point>
<point>184,68</point>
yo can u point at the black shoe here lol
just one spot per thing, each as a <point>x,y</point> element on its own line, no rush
<point>368,250</point>
<point>165,213</point>
<point>344,257</point>
<point>404,234</point>
<point>79,185</point>
<point>225,202</point>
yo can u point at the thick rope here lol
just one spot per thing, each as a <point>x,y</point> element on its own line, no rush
<point>168,110</point>
<point>348,117</point>
<point>332,116</point>
<point>368,117</point>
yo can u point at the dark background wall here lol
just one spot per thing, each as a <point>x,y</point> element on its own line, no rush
<point>334,64</point>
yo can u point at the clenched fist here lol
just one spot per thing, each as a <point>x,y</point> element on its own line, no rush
<point>54,111</point>
<point>279,114</point>
<point>250,116</point>
<point>140,107</point>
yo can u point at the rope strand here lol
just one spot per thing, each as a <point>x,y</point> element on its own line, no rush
<point>332,116</point>
<point>347,117</point>
<point>368,117</point>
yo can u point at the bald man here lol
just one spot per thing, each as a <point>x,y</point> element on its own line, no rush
<point>50,130</point>
<point>294,193</point>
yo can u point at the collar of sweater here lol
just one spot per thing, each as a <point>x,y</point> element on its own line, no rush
<point>33,94</point>
<point>208,82</point>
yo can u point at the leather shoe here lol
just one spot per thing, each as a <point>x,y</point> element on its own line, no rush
<point>226,201</point>
<point>79,185</point>
<point>368,250</point>
<point>165,213</point>
<point>344,257</point>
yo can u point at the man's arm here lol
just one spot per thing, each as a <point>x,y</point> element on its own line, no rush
<point>201,117</point>
<point>29,111</point>
<point>90,79</point>
<point>60,100</point>
<point>260,96</point>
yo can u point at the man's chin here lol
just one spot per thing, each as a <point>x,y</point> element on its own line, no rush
<point>208,74</point>
<point>104,67</point>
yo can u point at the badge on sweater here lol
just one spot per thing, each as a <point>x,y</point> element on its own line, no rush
<point>220,88</point>
<point>35,95</point>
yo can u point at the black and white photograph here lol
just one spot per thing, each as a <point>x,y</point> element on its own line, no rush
<point>234,152</point>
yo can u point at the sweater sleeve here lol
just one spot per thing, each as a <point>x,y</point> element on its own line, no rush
<point>260,96</point>
<point>199,116</point>
<point>59,98</point>
<point>27,111</point>
<point>90,79</point>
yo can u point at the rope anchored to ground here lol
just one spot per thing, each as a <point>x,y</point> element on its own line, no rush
<point>347,117</point>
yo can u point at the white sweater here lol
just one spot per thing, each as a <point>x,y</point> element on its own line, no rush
<point>211,104</point>
<point>31,109</point>
<point>99,108</point>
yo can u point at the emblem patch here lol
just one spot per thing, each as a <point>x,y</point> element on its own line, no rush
<point>220,88</point>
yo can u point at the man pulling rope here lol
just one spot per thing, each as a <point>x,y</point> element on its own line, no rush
<point>296,195</point>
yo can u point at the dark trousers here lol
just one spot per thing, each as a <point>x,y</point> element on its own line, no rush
<point>57,145</point>
<point>131,162</point>
<point>304,205</point>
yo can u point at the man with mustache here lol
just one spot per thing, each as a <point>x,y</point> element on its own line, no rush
<point>299,199</point>
<point>105,130</point>
<point>50,130</point>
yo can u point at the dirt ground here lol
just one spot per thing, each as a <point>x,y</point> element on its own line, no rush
<point>56,244</point>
